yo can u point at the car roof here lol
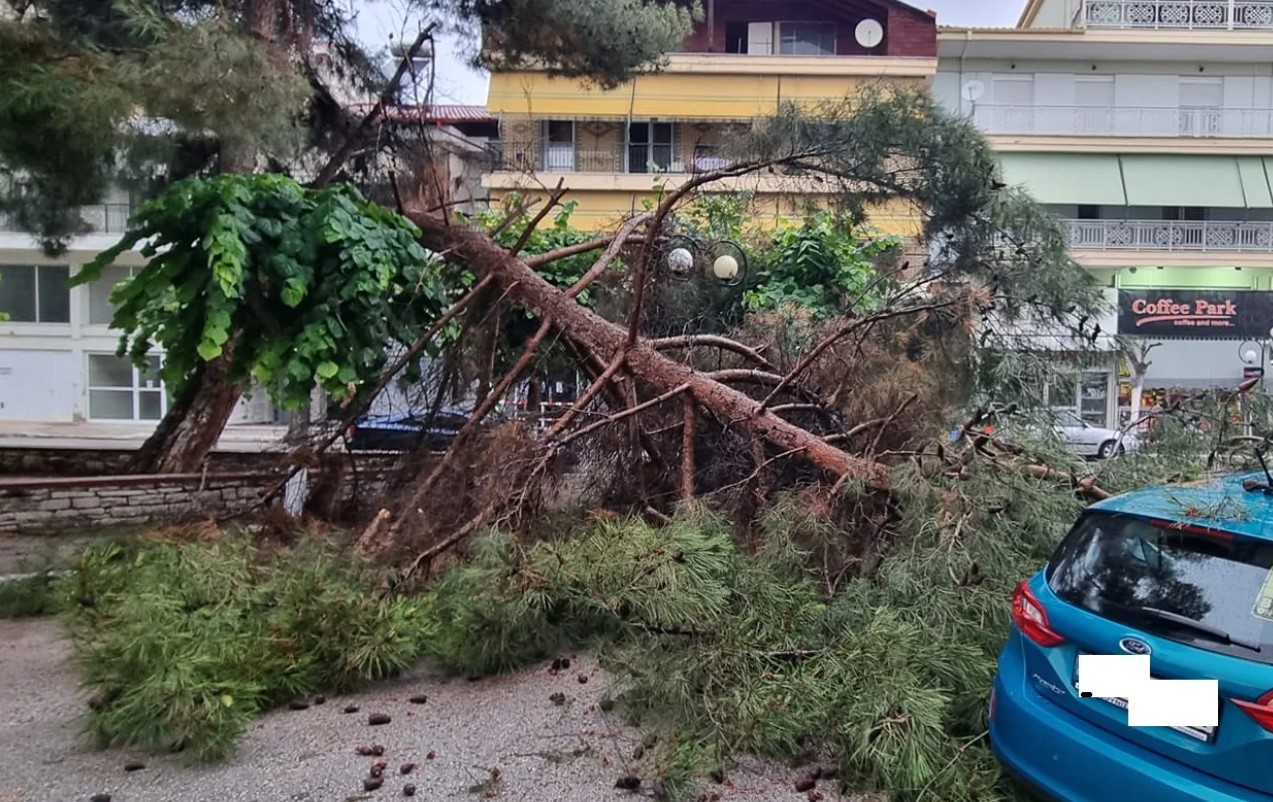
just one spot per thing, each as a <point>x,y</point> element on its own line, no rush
<point>1218,502</point>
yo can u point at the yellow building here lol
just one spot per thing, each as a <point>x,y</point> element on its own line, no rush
<point>611,148</point>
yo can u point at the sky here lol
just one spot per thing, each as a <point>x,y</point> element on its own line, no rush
<point>381,22</point>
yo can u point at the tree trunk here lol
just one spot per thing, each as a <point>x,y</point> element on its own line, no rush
<point>192,426</point>
<point>1138,389</point>
<point>604,340</point>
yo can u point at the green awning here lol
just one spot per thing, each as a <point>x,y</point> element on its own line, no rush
<point>1066,178</point>
<point>1255,182</point>
<point>1172,180</point>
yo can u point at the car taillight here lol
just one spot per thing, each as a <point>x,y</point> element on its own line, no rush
<point>1261,710</point>
<point>1031,619</point>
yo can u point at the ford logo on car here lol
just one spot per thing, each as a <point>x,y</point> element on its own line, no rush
<point>1134,646</point>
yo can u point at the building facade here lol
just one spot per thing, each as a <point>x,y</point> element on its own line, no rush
<point>60,379</point>
<point>1145,126</point>
<point>746,58</point>
<point>59,375</point>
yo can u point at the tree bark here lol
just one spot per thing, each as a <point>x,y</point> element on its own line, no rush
<point>194,423</point>
<point>605,340</point>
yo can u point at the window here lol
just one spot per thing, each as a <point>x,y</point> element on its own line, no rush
<point>100,309</point>
<point>806,38</point>
<point>1200,103</point>
<point>1089,212</point>
<point>559,145</point>
<point>1094,105</point>
<point>736,37</point>
<point>1013,99</point>
<point>118,390</point>
<point>1142,575</point>
<point>650,147</point>
<point>35,293</point>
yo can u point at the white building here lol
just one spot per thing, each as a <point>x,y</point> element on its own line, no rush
<point>60,381</point>
<point>1146,126</point>
<point>59,376</point>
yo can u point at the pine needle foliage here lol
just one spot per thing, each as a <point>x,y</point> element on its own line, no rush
<point>184,644</point>
<point>513,604</point>
<point>30,597</point>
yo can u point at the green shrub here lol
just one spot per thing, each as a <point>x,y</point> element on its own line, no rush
<point>30,596</point>
<point>184,645</point>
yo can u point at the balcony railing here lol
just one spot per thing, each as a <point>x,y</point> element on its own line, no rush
<point>1124,121</point>
<point>1176,14</point>
<point>1169,235</point>
<point>632,159</point>
<point>103,218</point>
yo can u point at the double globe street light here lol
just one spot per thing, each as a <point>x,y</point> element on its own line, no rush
<point>690,257</point>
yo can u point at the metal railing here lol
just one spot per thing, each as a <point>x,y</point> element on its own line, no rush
<point>102,218</point>
<point>633,158</point>
<point>1169,235</point>
<point>1176,14</point>
<point>1124,121</point>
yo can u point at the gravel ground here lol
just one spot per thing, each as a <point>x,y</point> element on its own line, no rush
<point>544,752</point>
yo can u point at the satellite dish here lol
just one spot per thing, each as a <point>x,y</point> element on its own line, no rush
<point>869,33</point>
<point>973,90</point>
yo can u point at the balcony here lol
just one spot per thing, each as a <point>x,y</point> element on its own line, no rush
<point>1124,121</point>
<point>102,218</point>
<point>1210,15</point>
<point>1170,235</point>
<point>634,159</point>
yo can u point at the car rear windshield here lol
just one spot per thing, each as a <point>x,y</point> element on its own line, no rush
<point>1151,574</point>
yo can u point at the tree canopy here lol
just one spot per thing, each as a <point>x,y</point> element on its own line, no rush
<point>296,285</point>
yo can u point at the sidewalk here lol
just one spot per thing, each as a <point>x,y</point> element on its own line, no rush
<point>243,438</point>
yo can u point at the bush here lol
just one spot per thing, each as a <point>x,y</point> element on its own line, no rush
<point>185,644</point>
<point>29,596</point>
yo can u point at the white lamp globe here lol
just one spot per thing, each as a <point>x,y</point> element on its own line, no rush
<point>680,261</point>
<point>1250,355</point>
<point>725,267</point>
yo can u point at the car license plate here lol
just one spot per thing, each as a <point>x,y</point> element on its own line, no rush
<point>1204,734</point>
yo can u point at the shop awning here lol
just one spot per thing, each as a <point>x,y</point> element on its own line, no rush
<point>1066,178</point>
<point>1177,180</point>
<point>1255,182</point>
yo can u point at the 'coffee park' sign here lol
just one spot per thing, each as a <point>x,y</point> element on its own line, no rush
<point>1207,314</point>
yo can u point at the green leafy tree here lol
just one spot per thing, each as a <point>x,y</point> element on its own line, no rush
<point>823,266</point>
<point>271,282</point>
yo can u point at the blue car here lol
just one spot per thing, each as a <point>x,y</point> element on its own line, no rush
<point>1184,574</point>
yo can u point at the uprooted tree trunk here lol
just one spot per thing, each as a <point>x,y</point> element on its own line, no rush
<point>607,343</point>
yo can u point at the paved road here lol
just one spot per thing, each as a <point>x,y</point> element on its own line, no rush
<point>545,752</point>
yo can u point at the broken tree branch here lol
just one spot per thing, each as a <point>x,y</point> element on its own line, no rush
<point>713,341</point>
<point>840,334</point>
<point>412,506</point>
<point>611,253</point>
<point>554,198</point>
<point>361,404</point>
<point>687,449</point>
<point>337,160</point>
<point>627,413</point>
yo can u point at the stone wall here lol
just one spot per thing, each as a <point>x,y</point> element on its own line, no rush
<point>110,462</point>
<point>38,506</point>
<point>342,490</point>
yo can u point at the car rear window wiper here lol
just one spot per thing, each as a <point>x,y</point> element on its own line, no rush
<point>1198,626</point>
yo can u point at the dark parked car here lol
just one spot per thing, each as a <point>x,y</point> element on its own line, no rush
<point>406,431</point>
